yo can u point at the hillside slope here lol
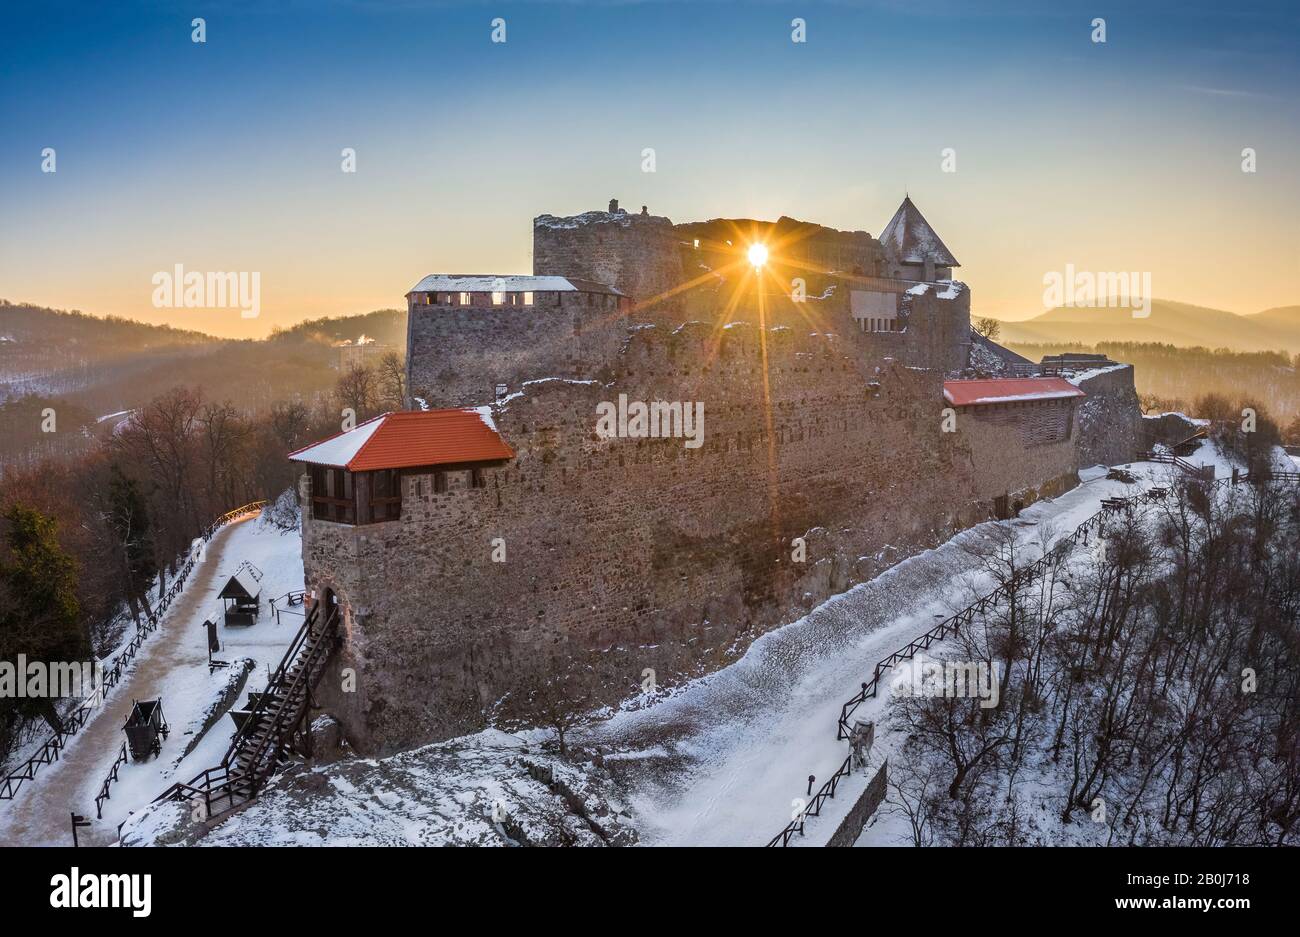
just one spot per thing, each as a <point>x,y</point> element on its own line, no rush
<point>1171,323</point>
<point>107,365</point>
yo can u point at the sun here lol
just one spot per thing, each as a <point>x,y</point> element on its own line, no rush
<point>758,254</point>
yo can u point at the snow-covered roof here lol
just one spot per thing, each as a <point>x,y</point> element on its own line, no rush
<point>1080,376</point>
<point>241,585</point>
<point>909,239</point>
<point>986,391</point>
<point>507,283</point>
<point>411,438</point>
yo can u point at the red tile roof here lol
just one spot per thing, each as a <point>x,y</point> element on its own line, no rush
<point>410,438</point>
<point>1008,390</point>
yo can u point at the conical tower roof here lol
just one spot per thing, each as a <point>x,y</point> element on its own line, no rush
<point>909,239</point>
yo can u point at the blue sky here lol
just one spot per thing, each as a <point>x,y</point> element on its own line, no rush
<point>225,155</point>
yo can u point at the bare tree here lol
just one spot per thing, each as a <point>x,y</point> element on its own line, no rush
<point>988,327</point>
<point>358,390</point>
<point>392,380</point>
<point>557,701</point>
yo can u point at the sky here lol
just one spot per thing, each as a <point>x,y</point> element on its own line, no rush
<point>226,155</point>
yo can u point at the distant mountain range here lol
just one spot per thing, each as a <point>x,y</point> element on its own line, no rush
<point>108,365</point>
<point>1171,323</point>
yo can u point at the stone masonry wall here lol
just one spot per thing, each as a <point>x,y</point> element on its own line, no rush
<point>999,462</point>
<point>628,554</point>
<point>637,254</point>
<point>457,354</point>
<point>1109,419</point>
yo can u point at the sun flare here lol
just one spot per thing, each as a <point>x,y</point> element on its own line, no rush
<point>758,254</point>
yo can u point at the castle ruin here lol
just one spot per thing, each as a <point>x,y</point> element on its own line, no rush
<point>490,541</point>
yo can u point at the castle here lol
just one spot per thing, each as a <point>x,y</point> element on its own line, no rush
<point>491,545</point>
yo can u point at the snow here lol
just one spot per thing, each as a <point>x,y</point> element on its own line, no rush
<point>448,793</point>
<point>1012,398</point>
<point>526,386</point>
<point>172,665</point>
<point>247,581</point>
<point>621,218</point>
<point>1181,415</point>
<point>717,761</point>
<point>1088,375</point>
<point>341,449</point>
<point>951,289</point>
<point>741,742</point>
<point>507,283</point>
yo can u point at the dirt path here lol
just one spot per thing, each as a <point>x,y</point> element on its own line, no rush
<point>39,815</point>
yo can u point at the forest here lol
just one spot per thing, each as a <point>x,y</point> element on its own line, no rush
<point>1150,687</point>
<point>90,540</point>
<point>1172,378</point>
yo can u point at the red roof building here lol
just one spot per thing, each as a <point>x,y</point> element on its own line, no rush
<point>356,475</point>
<point>986,392</point>
<point>411,439</point>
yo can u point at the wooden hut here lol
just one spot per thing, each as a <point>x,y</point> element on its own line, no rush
<point>242,595</point>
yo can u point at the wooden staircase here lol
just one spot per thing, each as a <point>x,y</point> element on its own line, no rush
<point>277,726</point>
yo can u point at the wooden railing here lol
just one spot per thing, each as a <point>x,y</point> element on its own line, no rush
<point>966,616</point>
<point>51,749</point>
<point>951,625</point>
<point>269,698</point>
<point>273,738</point>
<point>270,726</point>
<point>814,808</point>
<point>292,599</point>
<point>112,776</point>
<point>1201,472</point>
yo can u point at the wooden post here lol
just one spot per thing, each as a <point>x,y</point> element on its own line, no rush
<point>77,821</point>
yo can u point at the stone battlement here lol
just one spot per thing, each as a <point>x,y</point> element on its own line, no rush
<point>816,456</point>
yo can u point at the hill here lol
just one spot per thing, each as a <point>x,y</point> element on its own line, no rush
<point>1173,378</point>
<point>87,367</point>
<point>1170,323</point>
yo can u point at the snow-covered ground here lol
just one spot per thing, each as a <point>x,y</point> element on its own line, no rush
<point>720,761</point>
<point>172,665</point>
<point>487,789</point>
<point>723,761</point>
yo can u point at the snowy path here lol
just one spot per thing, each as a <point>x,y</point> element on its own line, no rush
<point>172,665</point>
<point>721,762</point>
<point>39,815</point>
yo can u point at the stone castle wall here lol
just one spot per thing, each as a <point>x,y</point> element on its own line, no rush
<point>636,254</point>
<point>628,554</point>
<point>456,355</point>
<point>699,271</point>
<point>1022,453</point>
<point>1109,419</point>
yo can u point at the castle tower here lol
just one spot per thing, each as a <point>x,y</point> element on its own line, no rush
<point>913,251</point>
<point>637,254</point>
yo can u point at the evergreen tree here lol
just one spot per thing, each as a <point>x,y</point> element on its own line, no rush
<point>40,616</point>
<point>129,519</point>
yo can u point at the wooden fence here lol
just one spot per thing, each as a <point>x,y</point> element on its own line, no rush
<point>112,776</point>
<point>962,619</point>
<point>53,746</point>
<point>967,615</point>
